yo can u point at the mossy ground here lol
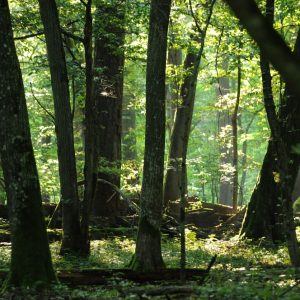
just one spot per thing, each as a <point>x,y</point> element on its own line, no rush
<point>242,271</point>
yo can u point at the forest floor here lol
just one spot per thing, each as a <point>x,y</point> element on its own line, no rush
<point>243,270</point>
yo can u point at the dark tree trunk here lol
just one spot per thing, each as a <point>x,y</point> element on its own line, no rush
<point>71,241</point>
<point>148,246</point>
<point>264,216</point>
<point>89,138</point>
<point>285,136</point>
<point>183,119</point>
<point>30,257</point>
<point>108,93</point>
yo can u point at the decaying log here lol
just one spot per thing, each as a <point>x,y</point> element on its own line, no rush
<point>161,290</point>
<point>95,277</point>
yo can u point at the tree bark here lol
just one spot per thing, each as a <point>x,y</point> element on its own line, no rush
<point>108,97</point>
<point>147,255</point>
<point>30,257</point>
<point>63,127</point>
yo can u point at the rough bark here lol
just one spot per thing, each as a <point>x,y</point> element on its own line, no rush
<point>30,257</point>
<point>147,255</point>
<point>108,94</point>
<point>183,118</point>
<point>63,127</point>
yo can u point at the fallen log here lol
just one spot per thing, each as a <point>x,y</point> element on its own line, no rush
<point>161,290</point>
<point>100,276</point>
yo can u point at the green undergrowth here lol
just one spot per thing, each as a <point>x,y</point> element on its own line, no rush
<point>243,270</point>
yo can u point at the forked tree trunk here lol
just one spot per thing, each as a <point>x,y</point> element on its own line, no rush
<point>183,118</point>
<point>108,97</point>
<point>147,255</point>
<point>30,255</point>
<point>71,241</point>
<point>285,137</point>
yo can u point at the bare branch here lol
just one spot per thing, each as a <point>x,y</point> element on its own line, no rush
<point>72,36</point>
<point>83,3</point>
<point>27,36</point>
<point>42,106</point>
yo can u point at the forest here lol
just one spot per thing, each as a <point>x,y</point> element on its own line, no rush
<point>149,149</point>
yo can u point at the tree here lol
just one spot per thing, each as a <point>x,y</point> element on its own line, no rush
<point>89,138</point>
<point>284,132</point>
<point>30,257</point>
<point>184,113</point>
<point>108,97</point>
<point>147,255</point>
<point>71,241</point>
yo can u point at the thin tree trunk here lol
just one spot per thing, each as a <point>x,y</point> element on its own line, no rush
<point>108,97</point>
<point>173,88</point>
<point>226,155</point>
<point>30,256</point>
<point>183,119</point>
<point>89,138</point>
<point>129,150</point>
<point>234,120</point>
<point>63,127</point>
<point>147,255</point>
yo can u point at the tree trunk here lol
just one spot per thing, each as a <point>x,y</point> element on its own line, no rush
<point>234,121</point>
<point>296,190</point>
<point>89,138</point>
<point>183,119</point>
<point>108,93</point>
<point>129,151</point>
<point>173,88</point>
<point>285,137</point>
<point>63,127</point>
<point>263,216</point>
<point>147,255</point>
<point>30,257</point>
<point>264,213</point>
<point>268,39</point>
<point>226,161</point>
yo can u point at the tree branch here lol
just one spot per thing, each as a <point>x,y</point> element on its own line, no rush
<point>27,36</point>
<point>269,40</point>
<point>52,117</point>
<point>72,36</point>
